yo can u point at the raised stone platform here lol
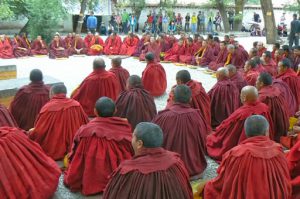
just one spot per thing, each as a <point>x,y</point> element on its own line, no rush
<point>8,72</point>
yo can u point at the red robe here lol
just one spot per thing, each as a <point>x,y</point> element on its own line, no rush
<point>112,46</point>
<point>216,47</point>
<point>153,173</point>
<point>28,102</point>
<point>88,39</point>
<point>151,47</point>
<point>255,169</point>
<point>164,45</point>
<point>174,53</point>
<point>231,131</point>
<point>98,149</point>
<point>39,48</point>
<point>26,171</point>
<point>20,43</point>
<point>95,46</point>
<point>271,67</point>
<point>137,105</point>
<point>122,74</point>
<point>239,81</point>
<point>56,125</point>
<point>271,96</point>
<point>185,131</point>
<point>98,84</point>
<point>239,58</point>
<point>76,44</point>
<point>219,61</point>
<point>296,62</point>
<point>6,118</point>
<point>224,100</point>
<point>261,51</point>
<point>200,99</point>
<point>293,81</point>
<point>293,158</point>
<point>68,42</point>
<point>54,52</point>
<point>251,76</point>
<point>129,46</point>
<point>6,49</point>
<point>154,79</point>
<point>140,47</point>
<point>207,56</point>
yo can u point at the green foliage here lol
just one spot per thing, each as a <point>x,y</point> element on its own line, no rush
<point>293,7</point>
<point>5,11</point>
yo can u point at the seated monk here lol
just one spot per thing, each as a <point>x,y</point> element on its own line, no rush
<point>29,100</point>
<point>214,43</point>
<point>271,96</point>
<point>204,56</point>
<point>236,77</point>
<point>144,40</point>
<point>154,77</point>
<point>224,98</point>
<point>257,157</point>
<point>153,172</point>
<point>163,42</point>
<point>98,84</point>
<point>289,76</point>
<point>230,132</point>
<point>236,56</point>
<point>68,40</point>
<point>77,46</point>
<point>261,49</point>
<point>220,59</point>
<point>98,149</point>
<point>197,41</point>
<point>275,47</point>
<point>57,48</point>
<point>251,72</point>
<point>88,38</point>
<point>57,123</point>
<point>121,73</point>
<point>152,47</point>
<point>253,52</point>
<point>96,45</point>
<point>269,64</point>
<point>113,44</point>
<point>6,49</point>
<point>189,51</point>
<point>173,53</point>
<point>20,47</point>
<point>184,127</point>
<point>6,118</point>
<point>26,171</point>
<point>39,47</point>
<point>199,100</point>
<point>129,45</point>
<point>278,56</point>
<point>136,104</point>
<point>296,59</point>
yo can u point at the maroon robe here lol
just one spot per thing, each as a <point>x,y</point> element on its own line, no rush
<point>188,55</point>
<point>296,62</point>
<point>207,56</point>
<point>231,131</point>
<point>129,46</point>
<point>151,47</point>
<point>239,58</point>
<point>219,61</point>
<point>93,43</point>
<point>140,47</point>
<point>56,125</point>
<point>54,52</point>
<point>76,44</point>
<point>154,79</point>
<point>239,81</point>
<point>20,43</point>
<point>152,173</point>
<point>224,100</point>
<point>122,75</point>
<point>68,42</point>
<point>137,105</point>
<point>293,158</point>
<point>26,171</point>
<point>251,76</point>
<point>216,47</point>
<point>28,102</point>
<point>271,96</point>
<point>261,51</point>
<point>39,48</point>
<point>271,67</point>
<point>255,158</point>
<point>173,53</point>
<point>185,131</point>
<point>98,84</point>
<point>6,118</point>
<point>112,46</point>
<point>6,49</point>
<point>98,149</point>
<point>164,45</point>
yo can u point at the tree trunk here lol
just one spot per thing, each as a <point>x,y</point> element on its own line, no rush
<point>223,13</point>
<point>238,19</point>
<point>81,15</point>
<point>270,26</point>
<point>298,2</point>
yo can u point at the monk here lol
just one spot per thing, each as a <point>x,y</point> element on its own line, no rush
<point>236,77</point>
<point>20,47</point>
<point>173,53</point>
<point>153,172</point>
<point>141,44</point>
<point>6,118</point>
<point>255,158</point>
<point>261,48</point>
<point>121,73</point>
<point>220,59</point>
<point>68,40</point>
<point>253,52</point>
<point>129,45</point>
<point>103,135</point>
<point>6,49</point>
<point>57,48</point>
<point>269,64</point>
<point>251,72</point>
<point>88,38</point>
<point>289,76</point>
<point>184,127</point>
<point>163,43</point>
<point>224,98</point>
<point>77,46</point>
<point>204,56</point>
<point>152,47</point>
<point>199,100</point>
<point>154,77</point>
<point>57,122</point>
<point>29,100</point>
<point>230,132</point>
<point>39,47</point>
<point>26,171</point>
<point>275,47</point>
<point>136,104</point>
<point>189,51</point>
<point>296,59</point>
<point>95,45</point>
<point>278,56</point>
<point>113,44</point>
<point>98,84</point>
<point>236,57</point>
<point>278,107</point>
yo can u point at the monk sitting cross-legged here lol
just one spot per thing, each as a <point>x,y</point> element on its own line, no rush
<point>153,172</point>
<point>220,59</point>
<point>6,49</point>
<point>113,44</point>
<point>57,48</point>
<point>236,77</point>
<point>121,73</point>
<point>20,47</point>
<point>189,51</point>
<point>173,53</point>
<point>129,45</point>
<point>152,47</point>
<point>251,72</point>
<point>269,64</point>
<point>77,46</point>
<point>98,149</point>
<point>39,47</point>
<point>57,123</point>
<point>95,44</point>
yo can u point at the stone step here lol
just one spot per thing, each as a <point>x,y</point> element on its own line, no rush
<point>8,72</point>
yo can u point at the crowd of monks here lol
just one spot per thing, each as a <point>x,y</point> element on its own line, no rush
<point>112,139</point>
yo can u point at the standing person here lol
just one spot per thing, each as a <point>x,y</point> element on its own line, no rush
<point>125,17</point>
<point>256,17</point>
<point>210,25</point>
<point>295,30</point>
<point>165,23</point>
<point>282,19</point>
<point>187,22</point>
<point>198,21</point>
<point>132,22</point>
<point>160,22</point>
<point>231,19</point>
<point>194,23</point>
<point>154,22</point>
<point>218,20</point>
<point>92,23</point>
<point>118,19</point>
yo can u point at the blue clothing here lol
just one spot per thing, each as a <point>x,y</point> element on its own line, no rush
<point>91,22</point>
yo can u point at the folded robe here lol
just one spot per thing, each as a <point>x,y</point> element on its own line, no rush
<point>39,48</point>
<point>293,158</point>
<point>6,49</point>
<point>129,46</point>
<point>122,75</point>
<point>6,118</point>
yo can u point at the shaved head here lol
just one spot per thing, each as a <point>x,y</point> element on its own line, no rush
<point>134,81</point>
<point>183,76</point>
<point>99,63</point>
<point>222,73</point>
<point>149,56</point>
<point>105,107</point>
<point>36,75</point>
<point>249,94</point>
<point>231,70</point>
<point>182,94</point>
<point>256,125</point>
<point>150,134</point>
<point>117,61</point>
<point>58,89</point>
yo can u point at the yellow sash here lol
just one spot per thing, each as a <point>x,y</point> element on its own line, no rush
<point>228,59</point>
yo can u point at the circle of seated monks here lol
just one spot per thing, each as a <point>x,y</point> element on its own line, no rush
<point>113,140</point>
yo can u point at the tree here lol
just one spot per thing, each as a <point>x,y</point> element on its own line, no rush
<point>83,6</point>
<point>238,18</point>
<point>221,6</point>
<point>267,10</point>
<point>294,7</point>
